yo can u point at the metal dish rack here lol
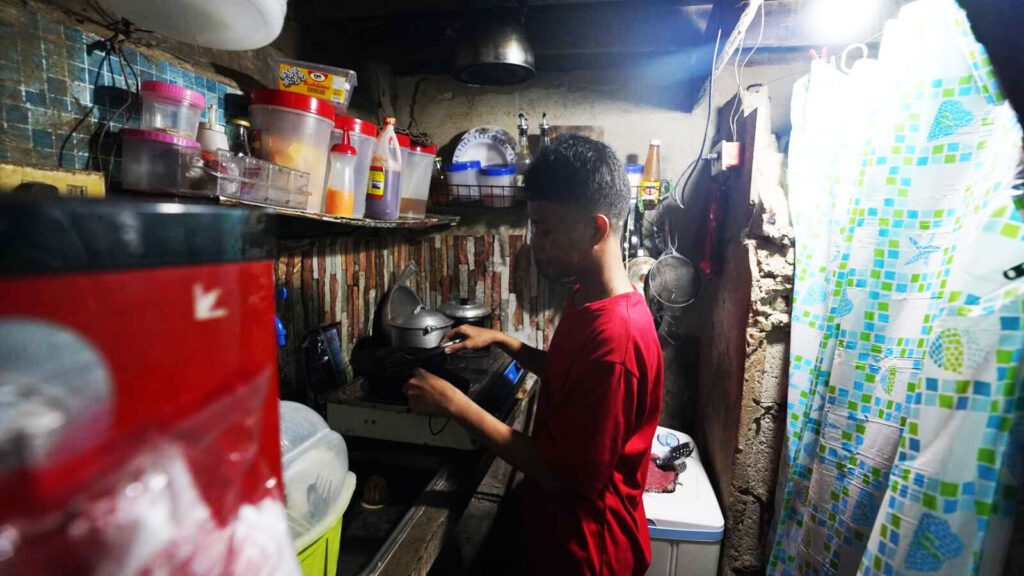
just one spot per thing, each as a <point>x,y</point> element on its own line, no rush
<point>478,194</point>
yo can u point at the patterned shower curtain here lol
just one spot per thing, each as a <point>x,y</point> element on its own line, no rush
<point>905,392</point>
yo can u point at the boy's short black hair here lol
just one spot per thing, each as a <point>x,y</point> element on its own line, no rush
<point>581,172</point>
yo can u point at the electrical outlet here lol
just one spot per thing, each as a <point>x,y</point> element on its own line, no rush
<point>725,156</point>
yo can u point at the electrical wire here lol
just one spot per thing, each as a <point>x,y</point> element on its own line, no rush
<point>707,122</point>
<point>734,115</point>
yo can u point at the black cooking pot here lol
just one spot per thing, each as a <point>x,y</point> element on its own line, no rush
<point>466,311</point>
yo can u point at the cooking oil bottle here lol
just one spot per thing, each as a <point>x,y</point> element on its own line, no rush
<point>650,183</point>
<point>384,189</point>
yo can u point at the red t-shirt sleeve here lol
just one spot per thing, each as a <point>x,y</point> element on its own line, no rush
<point>590,423</point>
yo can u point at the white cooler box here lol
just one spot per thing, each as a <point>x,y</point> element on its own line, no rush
<point>685,526</point>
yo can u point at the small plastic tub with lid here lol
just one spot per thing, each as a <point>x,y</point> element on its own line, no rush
<point>342,198</point>
<point>362,135</point>
<point>417,167</point>
<point>171,108</point>
<point>497,185</point>
<point>463,179</point>
<point>154,161</point>
<point>294,131</point>
<point>325,82</point>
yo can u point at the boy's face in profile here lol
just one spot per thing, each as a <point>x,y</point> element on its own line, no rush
<point>560,239</point>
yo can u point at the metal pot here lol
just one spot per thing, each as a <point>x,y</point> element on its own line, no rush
<point>421,328</point>
<point>466,311</point>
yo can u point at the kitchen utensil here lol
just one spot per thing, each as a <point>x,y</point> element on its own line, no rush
<point>421,328</point>
<point>673,279</point>
<point>638,269</point>
<point>467,311</point>
<point>486,145</point>
<point>400,300</point>
<point>492,50</point>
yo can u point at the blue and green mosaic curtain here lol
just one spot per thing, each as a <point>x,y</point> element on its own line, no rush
<point>905,400</point>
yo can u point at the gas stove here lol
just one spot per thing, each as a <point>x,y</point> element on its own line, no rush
<point>493,377</point>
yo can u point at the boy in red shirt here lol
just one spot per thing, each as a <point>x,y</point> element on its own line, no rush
<point>601,378</point>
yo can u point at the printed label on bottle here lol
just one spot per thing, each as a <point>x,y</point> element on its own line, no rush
<point>375,187</point>
<point>650,190</point>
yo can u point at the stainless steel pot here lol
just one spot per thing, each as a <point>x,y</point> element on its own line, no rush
<point>421,328</point>
<point>467,311</point>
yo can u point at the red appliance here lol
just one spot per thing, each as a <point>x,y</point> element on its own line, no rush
<point>165,313</point>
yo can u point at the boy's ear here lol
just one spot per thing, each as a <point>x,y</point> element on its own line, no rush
<point>602,228</point>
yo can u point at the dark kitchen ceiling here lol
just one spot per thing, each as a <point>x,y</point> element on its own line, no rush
<point>418,36</point>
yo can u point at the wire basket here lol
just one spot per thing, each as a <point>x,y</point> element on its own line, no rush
<point>478,194</point>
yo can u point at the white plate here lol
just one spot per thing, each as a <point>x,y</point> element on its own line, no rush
<point>487,145</point>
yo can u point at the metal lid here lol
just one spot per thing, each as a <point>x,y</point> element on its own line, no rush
<point>422,318</point>
<point>465,309</point>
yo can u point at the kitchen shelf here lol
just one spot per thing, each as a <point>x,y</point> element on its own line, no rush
<point>300,224</point>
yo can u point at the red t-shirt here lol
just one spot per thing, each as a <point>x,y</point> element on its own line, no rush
<point>597,411</point>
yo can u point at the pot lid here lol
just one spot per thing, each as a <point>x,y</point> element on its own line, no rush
<point>422,318</point>
<point>401,301</point>
<point>465,309</point>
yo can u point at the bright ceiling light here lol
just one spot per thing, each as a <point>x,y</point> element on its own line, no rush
<point>842,21</point>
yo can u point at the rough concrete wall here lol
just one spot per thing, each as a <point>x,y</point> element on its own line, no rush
<point>740,327</point>
<point>632,106</point>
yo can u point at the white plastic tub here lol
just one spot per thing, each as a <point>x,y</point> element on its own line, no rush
<point>463,181</point>
<point>685,526</point>
<point>417,167</point>
<point>294,131</point>
<point>171,108</point>
<point>154,161</point>
<point>496,185</point>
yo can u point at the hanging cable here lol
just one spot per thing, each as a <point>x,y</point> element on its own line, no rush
<point>734,115</point>
<point>707,122</point>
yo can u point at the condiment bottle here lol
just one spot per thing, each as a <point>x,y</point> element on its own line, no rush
<point>523,158</point>
<point>545,139</point>
<point>211,135</point>
<point>384,189</point>
<point>650,183</point>
<point>341,183</point>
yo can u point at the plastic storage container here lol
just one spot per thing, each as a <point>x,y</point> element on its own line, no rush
<point>686,526</point>
<point>497,185</point>
<point>294,131</point>
<point>342,198</point>
<point>417,167</point>
<point>254,180</point>
<point>362,136</point>
<point>325,82</point>
<point>463,180</point>
<point>634,174</point>
<point>171,108</point>
<point>155,161</point>
<point>317,486</point>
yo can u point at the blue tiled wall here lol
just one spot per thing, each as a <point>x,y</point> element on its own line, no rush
<point>49,74</point>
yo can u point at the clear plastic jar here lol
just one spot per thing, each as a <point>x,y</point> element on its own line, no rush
<point>497,185</point>
<point>171,108</point>
<point>417,167</point>
<point>155,161</point>
<point>294,131</point>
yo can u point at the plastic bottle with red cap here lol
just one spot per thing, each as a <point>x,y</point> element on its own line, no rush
<point>342,197</point>
<point>385,187</point>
